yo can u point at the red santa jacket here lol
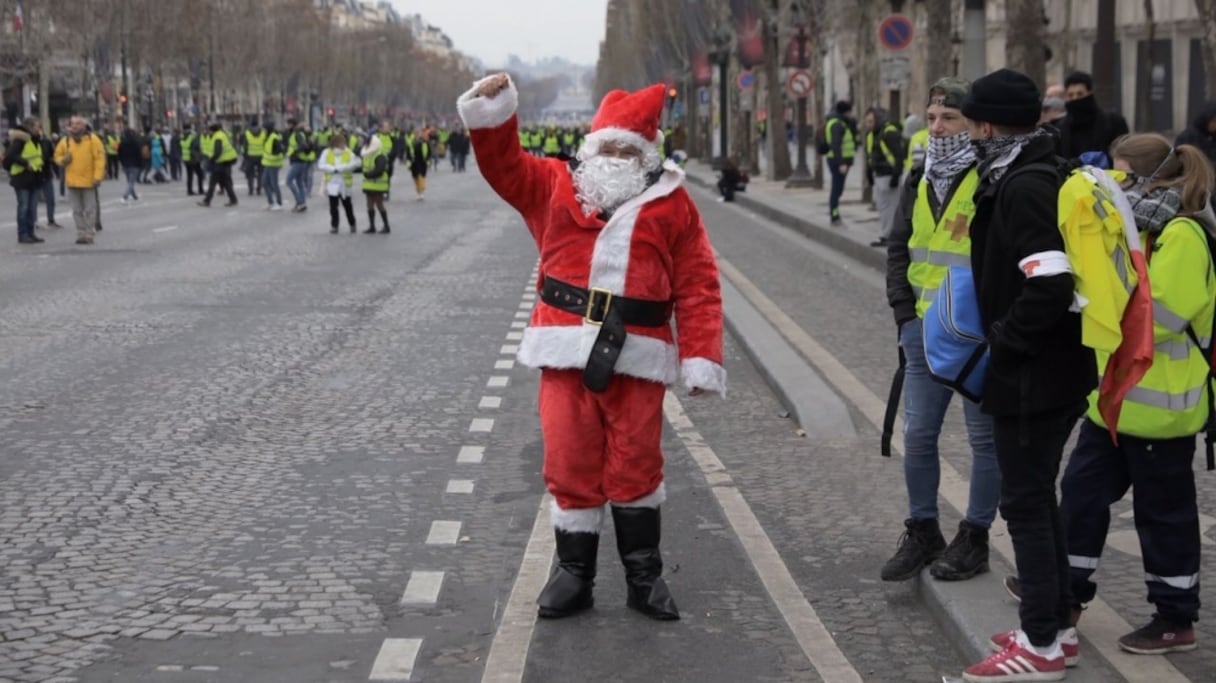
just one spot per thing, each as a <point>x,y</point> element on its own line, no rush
<point>653,247</point>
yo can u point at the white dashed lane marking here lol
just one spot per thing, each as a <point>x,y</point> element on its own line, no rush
<point>443,532</point>
<point>490,402</point>
<point>515,336</point>
<point>509,349</point>
<point>523,315</point>
<point>504,364</point>
<point>396,659</point>
<point>460,486</point>
<point>471,454</point>
<point>518,325</point>
<point>482,424</point>
<point>498,381</point>
<point>423,588</point>
<point>167,228</point>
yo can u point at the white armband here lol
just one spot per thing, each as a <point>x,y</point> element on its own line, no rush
<point>1044,264</point>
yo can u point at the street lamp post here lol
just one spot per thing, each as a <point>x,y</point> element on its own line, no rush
<point>801,177</point>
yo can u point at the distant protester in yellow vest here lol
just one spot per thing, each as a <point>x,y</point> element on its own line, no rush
<point>255,143</point>
<point>339,164</point>
<point>931,233</point>
<point>375,182</point>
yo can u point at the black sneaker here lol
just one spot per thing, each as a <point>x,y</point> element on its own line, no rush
<point>1159,637</point>
<point>920,544</point>
<point>966,556</point>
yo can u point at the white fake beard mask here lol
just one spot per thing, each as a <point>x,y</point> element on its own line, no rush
<point>604,183</point>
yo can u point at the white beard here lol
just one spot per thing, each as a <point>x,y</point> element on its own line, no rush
<point>604,183</point>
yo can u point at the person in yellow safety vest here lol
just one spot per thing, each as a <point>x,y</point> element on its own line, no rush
<point>255,143</point>
<point>206,143</point>
<point>339,163</point>
<point>1168,190</point>
<point>375,182</point>
<point>884,165</point>
<point>192,157</point>
<point>552,145</point>
<point>568,140</point>
<point>931,234</point>
<point>111,155</point>
<point>537,141</point>
<point>525,139</point>
<point>223,158</point>
<point>840,136</point>
<point>917,136</point>
<point>420,157</point>
<point>26,166</point>
<point>386,144</point>
<point>274,152</point>
<point>300,156</point>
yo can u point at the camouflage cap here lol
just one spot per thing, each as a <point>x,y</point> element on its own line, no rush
<point>949,92</point>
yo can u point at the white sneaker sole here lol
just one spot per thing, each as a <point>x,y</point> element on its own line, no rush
<point>1069,662</point>
<point>1173,648</point>
<point>1010,678</point>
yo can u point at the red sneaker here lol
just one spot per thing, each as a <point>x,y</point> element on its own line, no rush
<point>1068,642</point>
<point>1017,662</point>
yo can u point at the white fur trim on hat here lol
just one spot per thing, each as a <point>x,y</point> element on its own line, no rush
<point>577,520</point>
<point>651,500</point>
<point>487,112</point>
<point>702,373</point>
<point>650,148</point>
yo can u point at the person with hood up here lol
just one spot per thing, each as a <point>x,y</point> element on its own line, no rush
<point>1087,132</point>
<point>1201,134</point>
<point>24,161</point>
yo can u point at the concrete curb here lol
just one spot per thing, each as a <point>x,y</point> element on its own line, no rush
<point>812,402</point>
<point>831,237</point>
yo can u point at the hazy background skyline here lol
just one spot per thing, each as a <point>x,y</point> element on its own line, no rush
<point>490,30</point>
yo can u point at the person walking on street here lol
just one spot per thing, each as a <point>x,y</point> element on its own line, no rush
<point>132,161</point>
<point>82,156</point>
<point>174,149</point>
<point>884,165</point>
<point>339,164</point>
<point>192,157</point>
<point>255,145</point>
<point>840,134</point>
<point>420,158</point>
<point>49,175</point>
<point>112,165</point>
<point>930,234</point>
<point>273,153</point>
<point>24,161</point>
<point>622,246</point>
<point>299,150</point>
<point>223,158</point>
<point>460,150</point>
<point>375,182</point>
<point>1039,374</point>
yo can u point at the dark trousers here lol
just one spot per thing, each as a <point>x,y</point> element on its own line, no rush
<point>112,166</point>
<point>253,174</point>
<point>194,170</point>
<point>27,211</point>
<point>347,205</point>
<point>175,168</point>
<point>1098,475</point>
<point>221,175</point>
<point>1029,449</point>
<point>837,188</point>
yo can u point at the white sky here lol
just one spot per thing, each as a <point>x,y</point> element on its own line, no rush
<point>492,29</point>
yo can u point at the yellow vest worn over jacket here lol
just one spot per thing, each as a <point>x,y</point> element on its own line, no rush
<point>380,183</point>
<point>227,152</point>
<point>1172,399</point>
<point>31,159</point>
<point>88,165</point>
<point>329,159</point>
<point>187,143</point>
<point>918,145</point>
<point>254,144</point>
<point>269,158</point>
<point>848,144</point>
<point>940,242</point>
<point>206,145</point>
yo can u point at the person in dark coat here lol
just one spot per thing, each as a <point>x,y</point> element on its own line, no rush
<point>1202,132</point>
<point>1087,132</point>
<point>1039,374</point>
<point>130,157</point>
<point>23,160</point>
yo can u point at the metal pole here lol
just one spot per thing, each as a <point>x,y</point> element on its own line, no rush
<point>975,33</point>
<point>723,114</point>
<point>801,177</point>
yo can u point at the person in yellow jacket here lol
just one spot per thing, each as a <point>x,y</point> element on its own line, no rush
<point>339,163</point>
<point>1168,190</point>
<point>82,156</point>
<point>223,158</point>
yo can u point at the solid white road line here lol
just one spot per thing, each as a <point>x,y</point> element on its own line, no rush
<point>167,228</point>
<point>471,454</point>
<point>396,659</point>
<point>1103,625</point>
<point>509,650</point>
<point>509,349</point>
<point>490,402</point>
<point>515,336</point>
<point>498,381</point>
<point>422,588</point>
<point>506,364</point>
<point>482,424</point>
<point>812,636</point>
<point>460,486</point>
<point>443,532</point>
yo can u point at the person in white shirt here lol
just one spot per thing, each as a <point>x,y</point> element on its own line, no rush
<point>339,163</point>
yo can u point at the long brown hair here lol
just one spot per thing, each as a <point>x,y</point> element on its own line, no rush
<point>1184,167</point>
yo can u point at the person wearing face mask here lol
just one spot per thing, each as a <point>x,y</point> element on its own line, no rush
<point>1039,374</point>
<point>1087,132</point>
<point>622,247</point>
<point>930,235</point>
<point>1202,132</point>
<point>1169,190</point>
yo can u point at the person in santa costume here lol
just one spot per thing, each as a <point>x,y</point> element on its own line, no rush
<point>622,250</point>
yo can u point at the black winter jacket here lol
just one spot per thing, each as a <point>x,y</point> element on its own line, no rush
<point>1197,133</point>
<point>1087,128</point>
<point>17,137</point>
<point>1038,365</point>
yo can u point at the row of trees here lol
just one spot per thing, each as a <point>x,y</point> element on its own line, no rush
<point>223,58</point>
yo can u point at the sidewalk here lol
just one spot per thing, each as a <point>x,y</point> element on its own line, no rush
<point>971,610</point>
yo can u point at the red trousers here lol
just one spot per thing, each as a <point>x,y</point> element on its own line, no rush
<point>601,447</point>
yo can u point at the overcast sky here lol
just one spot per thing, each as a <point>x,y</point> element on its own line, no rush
<point>492,29</point>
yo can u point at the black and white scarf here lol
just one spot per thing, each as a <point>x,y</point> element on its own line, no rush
<point>945,158</point>
<point>997,154</point>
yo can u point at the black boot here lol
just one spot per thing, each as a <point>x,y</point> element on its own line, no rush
<point>371,223</point>
<point>920,545</point>
<point>637,540</point>
<point>568,591</point>
<point>966,556</point>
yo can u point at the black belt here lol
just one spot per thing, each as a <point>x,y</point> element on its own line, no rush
<point>612,313</point>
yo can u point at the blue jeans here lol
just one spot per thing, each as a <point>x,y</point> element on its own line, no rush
<point>296,181</point>
<point>27,210</point>
<point>309,175</point>
<point>925,404</point>
<point>270,185</point>
<point>48,197</point>
<point>132,173</point>
<point>837,188</point>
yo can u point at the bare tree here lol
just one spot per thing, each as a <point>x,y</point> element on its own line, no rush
<point>1024,39</point>
<point>1207,17</point>
<point>938,34</point>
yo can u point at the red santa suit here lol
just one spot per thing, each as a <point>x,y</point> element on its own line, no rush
<point>604,447</point>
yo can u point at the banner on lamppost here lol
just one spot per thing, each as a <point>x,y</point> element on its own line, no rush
<point>750,32</point>
<point>702,70</point>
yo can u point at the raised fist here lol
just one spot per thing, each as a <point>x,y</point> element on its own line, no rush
<point>493,85</point>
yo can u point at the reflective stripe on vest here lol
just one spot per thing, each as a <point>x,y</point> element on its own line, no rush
<point>936,245</point>
<point>887,155</point>
<point>1184,400</point>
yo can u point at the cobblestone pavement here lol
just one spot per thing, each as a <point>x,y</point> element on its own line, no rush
<point>238,448</point>
<point>843,305</point>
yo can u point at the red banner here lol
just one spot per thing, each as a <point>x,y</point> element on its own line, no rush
<point>702,70</point>
<point>750,32</point>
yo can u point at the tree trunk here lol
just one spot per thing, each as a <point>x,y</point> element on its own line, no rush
<point>1207,17</point>
<point>937,36</point>
<point>1024,42</point>
<point>778,152</point>
<point>1144,75</point>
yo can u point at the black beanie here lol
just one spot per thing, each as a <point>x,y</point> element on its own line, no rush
<point>843,107</point>
<point>1004,98</point>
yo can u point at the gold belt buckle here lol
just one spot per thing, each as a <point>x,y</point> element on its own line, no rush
<point>591,299</point>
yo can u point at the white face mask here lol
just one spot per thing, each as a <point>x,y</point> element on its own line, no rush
<point>604,183</point>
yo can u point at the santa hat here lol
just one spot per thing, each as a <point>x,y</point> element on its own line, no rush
<point>629,118</point>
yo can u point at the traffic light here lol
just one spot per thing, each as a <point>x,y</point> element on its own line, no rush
<point>330,111</point>
<point>672,93</point>
<point>122,98</point>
